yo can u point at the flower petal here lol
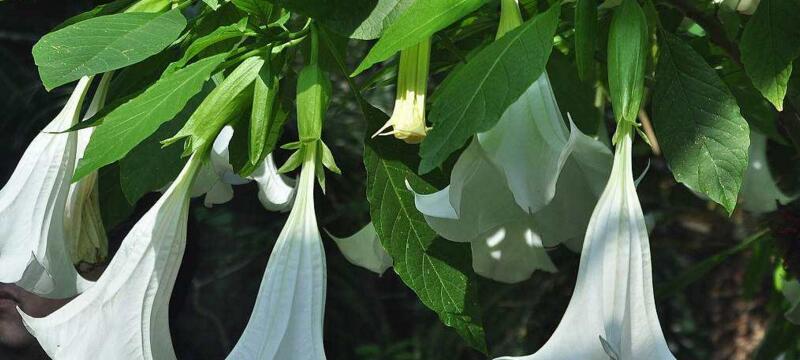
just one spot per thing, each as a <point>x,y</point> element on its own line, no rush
<point>33,248</point>
<point>530,144</point>
<point>287,319</point>
<point>364,249</point>
<point>760,193</point>
<point>275,191</point>
<point>791,290</point>
<point>125,315</point>
<point>612,310</point>
<point>85,234</point>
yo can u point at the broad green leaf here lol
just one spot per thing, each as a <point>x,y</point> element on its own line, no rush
<point>627,58</point>
<point>114,207</point>
<point>344,17</point>
<point>437,270</point>
<point>149,166</point>
<point>770,42</point>
<point>698,124</point>
<point>586,30</point>
<point>130,123</point>
<point>223,105</point>
<point>474,98</point>
<point>213,4</point>
<point>103,44</point>
<point>421,20</point>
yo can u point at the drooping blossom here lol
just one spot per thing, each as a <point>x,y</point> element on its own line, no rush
<point>364,249</point>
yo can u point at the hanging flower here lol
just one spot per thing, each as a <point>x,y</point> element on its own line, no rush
<point>408,118</point>
<point>85,233</point>
<point>275,191</point>
<point>287,320</point>
<point>760,193</point>
<point>33,248</point>
<point>523,186</point>
<point>612,312</point>
<point>364,249</point>
<point>125,314</point>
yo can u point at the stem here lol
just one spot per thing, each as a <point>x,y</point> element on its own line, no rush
<point>648,130</point>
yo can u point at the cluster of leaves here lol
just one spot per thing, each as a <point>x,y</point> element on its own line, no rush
<point>184,69</point>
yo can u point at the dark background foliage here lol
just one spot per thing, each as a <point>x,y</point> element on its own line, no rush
<point>727,313</point>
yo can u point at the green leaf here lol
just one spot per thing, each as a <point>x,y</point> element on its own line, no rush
<point>383,15</point>
<point>223,105</point>
<point>698,124</point>
<point>213,4</point>
<point>474,98</point>
<point>437,270</point>
<point>586,30</point>
<point>770,42</point>
<point>421,20</point>
<point>103,44</point>
<point>130,123</point>
<point>259,8</point>
<point>150,166</point>
<point>627,58</point>
<point>220,34</point>
<point>263,113</point>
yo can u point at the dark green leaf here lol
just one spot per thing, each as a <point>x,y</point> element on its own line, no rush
<point>437,270</point>
<point>130,123</point>
<point>385,12</point>
<point>627,58</point>
<point>473,99</point>
<point>697,120</point>
<point>103,44</point>
<point>586,29</point>
<point>258,8</point>
<point>770,42</point>
<point>576,98</point>
<point>421,20</point>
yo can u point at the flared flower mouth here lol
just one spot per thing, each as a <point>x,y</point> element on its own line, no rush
<point>612,312</point>
<point>526,185</point>
<point>127,307</point>
<point>408,118</point>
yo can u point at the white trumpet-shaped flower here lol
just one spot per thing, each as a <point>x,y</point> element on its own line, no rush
<point>408,117</point>
<point>33,248</point>
<point>275,191</point>
<point>125,314</point>
<point>760,193</point>
<point>791,290</point>
<point>523,186</point>
<point>287,319</point>
<point>612,312</point>
<point>85,233</point>
<point>364,249</point>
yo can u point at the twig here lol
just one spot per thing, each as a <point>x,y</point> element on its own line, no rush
<point>648,130</point>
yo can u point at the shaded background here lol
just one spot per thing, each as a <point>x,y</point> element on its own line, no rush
<point>726,314</point>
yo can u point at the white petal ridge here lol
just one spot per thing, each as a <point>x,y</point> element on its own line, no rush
<point>33,248</point>
<point>125,314</point>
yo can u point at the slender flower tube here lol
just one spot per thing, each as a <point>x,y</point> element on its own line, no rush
<point>612,312</point>
<point>760,194</point>
<point>408,119</point>
<point>86,235</point>
<point>287,320</point>
<point>364,249</point>
<point>275,191</point>
<point>125,314</point>
<point>33,248</point>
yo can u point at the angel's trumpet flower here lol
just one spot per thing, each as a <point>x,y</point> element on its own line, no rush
<point>125,314</point>
<point>612,313</point>
<point>287,319</point>
<point>408,117</point>
<point>33,247</point>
